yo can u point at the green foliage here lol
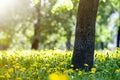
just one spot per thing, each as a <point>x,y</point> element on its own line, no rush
<point>39,65</point>
<point>58,18</point>
<point>4,38</point>
<point>34,2</point>
<point>62,5</point>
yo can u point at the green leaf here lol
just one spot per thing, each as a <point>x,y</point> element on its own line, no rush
<point>34,2</point>
<point>62,5</point>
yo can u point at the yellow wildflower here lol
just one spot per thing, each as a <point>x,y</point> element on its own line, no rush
<point>63,77</point>
<point>18,79</point>
<point>17,67</point>
<point>53,76</point>
<point>35,64</point>
<point>47,65</point>
<point>22,69</point>
<point>7,75</point>
<point>10,70</point>
<point>71,65</point>
<point>58,76</point>
<point>62,63</point>
<point>6,66</point>
<point>95,65</point>
<point>77,69</point>
<point>80,73</point>
<point>71,70</point>
<point>117,71</point>
<point>86,65</point>
<point>93,70</point>
<point>1,76</point>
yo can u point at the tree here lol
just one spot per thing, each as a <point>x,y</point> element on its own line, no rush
<point>118,38</point>
<point>85,34</point>
<point>35,42</point>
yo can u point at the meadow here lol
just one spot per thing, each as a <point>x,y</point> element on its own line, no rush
<point>56,65</point>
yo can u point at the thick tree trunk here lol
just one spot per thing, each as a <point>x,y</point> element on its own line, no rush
<point>35,42</point>
<point>118,38</point>
<point>68,43</point>
<point>85,34</point>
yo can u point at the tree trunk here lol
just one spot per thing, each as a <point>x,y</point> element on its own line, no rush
<point>68,43</point>
<point>35,42</point>
<point>85,34</point>
<point>102,45</point>
<point>118,38</point>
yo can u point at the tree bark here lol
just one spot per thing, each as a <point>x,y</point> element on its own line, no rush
<point>85,34</point>
<point>118,38</point>
<point>102,45</point>
<point>68,43</point>
<point>35,42</point>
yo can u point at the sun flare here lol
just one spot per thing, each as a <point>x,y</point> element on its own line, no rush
<point>6,4</point>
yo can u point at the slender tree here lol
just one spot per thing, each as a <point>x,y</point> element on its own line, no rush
<point>68,43</point>
<point>35,41</point>
<point>85,34</point>
<point>118,37</point>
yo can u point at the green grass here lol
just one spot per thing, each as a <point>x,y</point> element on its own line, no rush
<point>56,64</point>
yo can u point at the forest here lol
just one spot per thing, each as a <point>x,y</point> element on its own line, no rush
<point>59,40</point>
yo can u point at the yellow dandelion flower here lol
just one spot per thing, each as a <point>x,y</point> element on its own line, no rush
<point>58,76</point>
<point>53,76</point>
<point>77,69</point>
<point>1,76</point>
<point>6,66</point>
<point>71,65</point>
<point>95,65</point>
<point>86,65</point>
<point>10,70</point>
<point>71,70</point>
<point>47,65</point>
<point>22,69</point>
<point>35,64</point>
<point>117,71</point>
<point>19,78</point>
<point>65,71</point>
<point>80,73</point>
<point>17,67</point>
<point>7,75</point>
<point>93,70</point>
<point>63,77</point>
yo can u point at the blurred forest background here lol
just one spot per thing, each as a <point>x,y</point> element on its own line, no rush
<point>50,24</point>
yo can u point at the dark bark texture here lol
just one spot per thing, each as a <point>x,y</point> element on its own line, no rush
<point>35,42</point>
<point>118,38</point>
<point>85,34</point>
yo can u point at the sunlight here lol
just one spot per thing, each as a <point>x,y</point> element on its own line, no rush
<point>6,4</point>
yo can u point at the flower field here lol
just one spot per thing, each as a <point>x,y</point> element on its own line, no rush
<point>56,65</point>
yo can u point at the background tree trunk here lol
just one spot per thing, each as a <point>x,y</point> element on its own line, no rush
<point>68,43</point>
<point>85,34</point>
<point>102,45</point>
<point>35,42</point>
<point>118,38</point>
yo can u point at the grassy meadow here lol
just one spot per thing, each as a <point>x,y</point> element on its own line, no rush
<point>56,65</point>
